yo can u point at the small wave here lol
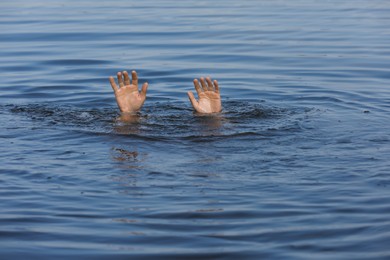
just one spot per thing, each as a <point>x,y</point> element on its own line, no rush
<point>78,62</point>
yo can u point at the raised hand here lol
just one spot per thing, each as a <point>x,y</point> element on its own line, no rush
<point>127,95</point>
<point>209,97</point>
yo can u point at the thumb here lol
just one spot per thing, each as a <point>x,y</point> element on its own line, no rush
<point>193,101</point>
<point>144,89</point>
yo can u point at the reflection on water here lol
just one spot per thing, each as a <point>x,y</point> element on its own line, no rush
<point>209,124</point>
<point>127,124</point>
<point>125,155</point>
<point>130,158</point>
<point>296,165</point>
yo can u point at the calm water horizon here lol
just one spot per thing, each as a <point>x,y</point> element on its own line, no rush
<point>295,167</point>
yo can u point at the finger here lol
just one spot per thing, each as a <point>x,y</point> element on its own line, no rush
<point>193,101</point>
<point>120,79</point>
<point>113,84</point>
<point>210,84</point>
<point>134,77</point>
<point>144,89</point>
<point>197,87</point>
<point>127,79</point>
<point>203,83</point>
<point>216,86</point>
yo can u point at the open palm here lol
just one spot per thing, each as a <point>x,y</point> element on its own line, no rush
<point>127,95</point>
<point>209,97</point>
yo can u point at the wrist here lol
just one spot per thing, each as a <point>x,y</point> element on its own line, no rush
<point>129,117</point>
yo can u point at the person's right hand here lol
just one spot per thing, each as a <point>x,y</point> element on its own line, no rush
<point>129,99</point>
<point>209,96</point>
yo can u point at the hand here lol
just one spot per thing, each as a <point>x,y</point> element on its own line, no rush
<point>127,96</point>
<point>209,97</point>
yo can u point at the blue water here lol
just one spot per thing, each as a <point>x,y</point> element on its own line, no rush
<point>297,166</point>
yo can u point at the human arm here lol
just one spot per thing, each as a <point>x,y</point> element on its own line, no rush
<point>127,95</point>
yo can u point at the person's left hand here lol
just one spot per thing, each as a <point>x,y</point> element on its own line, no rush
<point>209,97</point>
<point>127,95</point>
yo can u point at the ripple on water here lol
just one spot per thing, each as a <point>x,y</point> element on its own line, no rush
<point>168,121</point>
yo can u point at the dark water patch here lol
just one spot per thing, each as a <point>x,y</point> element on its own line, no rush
<point>166,121</point>
<point>64,115</point>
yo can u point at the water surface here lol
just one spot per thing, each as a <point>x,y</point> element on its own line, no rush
<point>296,166</point>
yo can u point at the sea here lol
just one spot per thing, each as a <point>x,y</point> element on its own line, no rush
<point>296,166</point>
